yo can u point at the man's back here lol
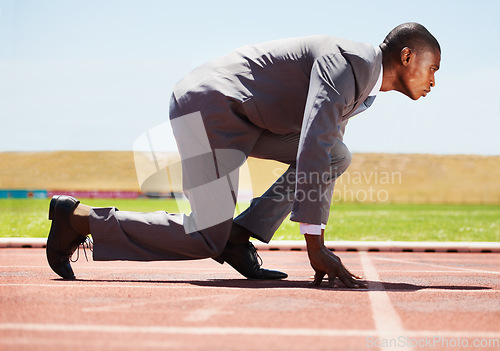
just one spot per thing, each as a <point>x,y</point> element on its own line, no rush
<point>269,82</point>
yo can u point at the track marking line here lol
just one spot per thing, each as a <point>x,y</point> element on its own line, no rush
<point>204,314</point>
<point>435,265</point>
<point>311,332</point>
<point>387,322</point>
<point>116,307</point>
<point>196,315</point>
<point>183,330</point>
<point>68,343</point>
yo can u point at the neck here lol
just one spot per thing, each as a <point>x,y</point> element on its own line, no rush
<point>390,77</point>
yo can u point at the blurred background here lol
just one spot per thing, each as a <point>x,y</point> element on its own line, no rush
<point>94,75</point>
<point>81,81</point>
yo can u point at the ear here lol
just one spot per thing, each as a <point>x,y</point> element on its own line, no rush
<point>406,56</point>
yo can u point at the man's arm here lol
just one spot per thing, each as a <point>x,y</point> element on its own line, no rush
<point>331,89</point>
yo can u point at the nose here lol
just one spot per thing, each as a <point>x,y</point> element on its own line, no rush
<point>433,81</point>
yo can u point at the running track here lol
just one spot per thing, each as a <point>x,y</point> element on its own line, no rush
<point>415,301</point>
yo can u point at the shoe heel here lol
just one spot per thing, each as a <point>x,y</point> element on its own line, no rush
<point>218,259</point>
<point>52,207</point>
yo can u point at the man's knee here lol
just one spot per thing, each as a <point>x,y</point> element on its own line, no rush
<point>341,160</point>
<point>346,161</point>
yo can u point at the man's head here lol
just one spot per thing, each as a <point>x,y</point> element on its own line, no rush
<point>411,58</point>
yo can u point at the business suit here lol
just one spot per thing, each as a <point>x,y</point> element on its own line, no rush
<point>287,100</point>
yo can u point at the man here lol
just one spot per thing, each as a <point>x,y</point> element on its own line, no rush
<point>286,100</point>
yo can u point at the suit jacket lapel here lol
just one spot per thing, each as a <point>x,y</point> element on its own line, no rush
<point>364,101</point>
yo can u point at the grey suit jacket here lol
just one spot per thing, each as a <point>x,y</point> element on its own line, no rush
<point>310,85</point>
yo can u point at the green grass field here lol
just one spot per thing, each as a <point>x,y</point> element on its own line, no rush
<point>28,218</point>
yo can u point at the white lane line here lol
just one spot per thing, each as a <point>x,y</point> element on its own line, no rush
<point>203,314</point>
<point>436,265</point>
<point>182,330</point>
<point>387,322</point>
<point>68,343</point>
<point>311,332</point>
<point>115,307</point>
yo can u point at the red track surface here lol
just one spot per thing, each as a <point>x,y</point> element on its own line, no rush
<point>420,301</point>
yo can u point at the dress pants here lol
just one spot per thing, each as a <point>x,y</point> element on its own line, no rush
<point>210,158</point>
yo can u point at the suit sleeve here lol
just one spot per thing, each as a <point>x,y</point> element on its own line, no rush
<point>331,90</point>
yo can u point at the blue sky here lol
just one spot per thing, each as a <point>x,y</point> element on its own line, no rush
<point>94,75</point>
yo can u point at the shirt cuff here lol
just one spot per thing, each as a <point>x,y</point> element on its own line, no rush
<point>312,229</point>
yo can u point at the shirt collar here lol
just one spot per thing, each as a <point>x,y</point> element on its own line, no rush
<point>378,85</point>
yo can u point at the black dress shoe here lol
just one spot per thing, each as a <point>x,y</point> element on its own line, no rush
<point>244,258</point>
<point>62,240</point>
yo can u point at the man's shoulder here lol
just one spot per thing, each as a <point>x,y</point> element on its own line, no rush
<point>356,53</point>
<point>322,44</point>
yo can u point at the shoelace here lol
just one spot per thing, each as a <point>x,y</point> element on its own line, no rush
<point>254,250</point>
<point>89,244</point>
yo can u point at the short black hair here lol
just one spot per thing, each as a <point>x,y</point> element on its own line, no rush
<point>412,35</point>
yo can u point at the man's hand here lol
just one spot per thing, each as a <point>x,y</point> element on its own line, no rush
<point>324,262</point>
